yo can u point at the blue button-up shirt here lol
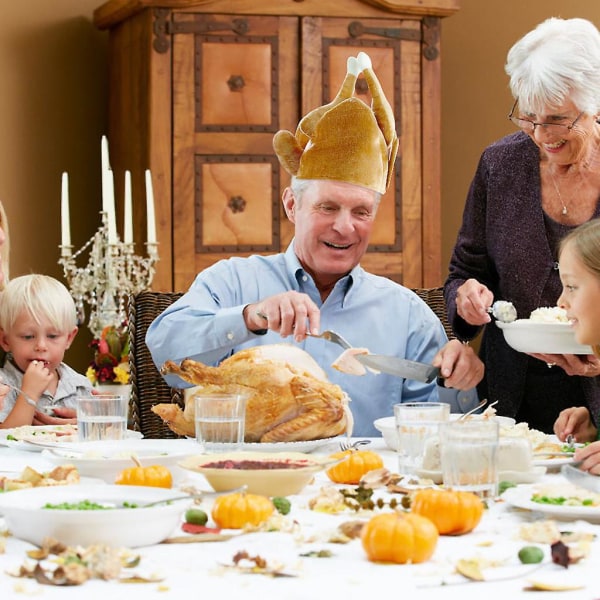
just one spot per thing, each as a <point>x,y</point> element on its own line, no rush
<point>369,311</point>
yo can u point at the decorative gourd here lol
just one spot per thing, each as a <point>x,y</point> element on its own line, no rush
<point>236,511</point>
<point>152,476</point>
<point>399,538</point>
<point>357,463</point>
<point>453,512</point>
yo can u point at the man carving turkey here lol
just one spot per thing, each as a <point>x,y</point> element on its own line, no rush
<point>341,159</point>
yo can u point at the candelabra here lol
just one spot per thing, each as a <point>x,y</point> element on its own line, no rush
<point>112,273</point>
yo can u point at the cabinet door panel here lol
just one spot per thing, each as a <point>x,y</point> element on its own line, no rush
<point>226,183</point>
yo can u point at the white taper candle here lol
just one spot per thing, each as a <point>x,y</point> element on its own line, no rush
<point>128,214</point>
<point>110,208</point>
<point>65,217</point>
<point>151,237</point>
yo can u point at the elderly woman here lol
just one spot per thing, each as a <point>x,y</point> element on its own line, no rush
<point>530,189</point>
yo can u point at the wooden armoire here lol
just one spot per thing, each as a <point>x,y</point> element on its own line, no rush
<point>199,87</point>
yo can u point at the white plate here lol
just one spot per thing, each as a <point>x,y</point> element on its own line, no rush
<point>524,335</point>
<point>46,434</point>
<point>304,446</point>
<point>553,463</point>
<point>520,497</point>
<point>105,461</point>
<point>514,476</point>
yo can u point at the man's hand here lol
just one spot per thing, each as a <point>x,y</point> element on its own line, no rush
<point>459,365</point>
<point>289,313</point>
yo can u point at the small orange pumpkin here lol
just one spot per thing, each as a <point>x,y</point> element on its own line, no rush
<point>453,512</point>
<point>399,538</point>
<point>357,463</point>
<point>236,511</point>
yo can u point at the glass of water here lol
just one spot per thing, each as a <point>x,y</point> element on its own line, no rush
<point>416,423</point>
<point>102,417</point>
<point>219,421</point>
<point>469,452</point>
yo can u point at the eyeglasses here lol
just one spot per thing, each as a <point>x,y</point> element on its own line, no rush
<point>529,126</point>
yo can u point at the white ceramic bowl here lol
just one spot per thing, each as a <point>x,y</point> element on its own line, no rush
<point>244,468</point>
<point>106,460</point>
<point>536,337</point>
<point>120,527</point>
<point>387,427</point>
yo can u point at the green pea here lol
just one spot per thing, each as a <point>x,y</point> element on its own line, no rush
<point>196,516</point>
<point>529,555</point>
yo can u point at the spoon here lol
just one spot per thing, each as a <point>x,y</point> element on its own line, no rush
<point>503,311</point>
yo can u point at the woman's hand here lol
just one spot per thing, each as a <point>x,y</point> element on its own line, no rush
<point>576,421</point>
<point>572,364</point>
<point>472,301</point>
<point>589,457</point>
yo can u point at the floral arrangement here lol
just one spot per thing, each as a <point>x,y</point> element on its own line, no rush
<point>111,356</point>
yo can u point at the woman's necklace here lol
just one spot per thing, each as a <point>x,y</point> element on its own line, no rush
<point>564,210</point>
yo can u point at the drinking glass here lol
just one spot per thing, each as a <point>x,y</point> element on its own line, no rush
<point>219,421</point>
<point>416,422</point>
<point>469,454</point>
<point>102,417</point>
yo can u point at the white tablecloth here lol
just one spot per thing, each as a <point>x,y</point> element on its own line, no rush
<point>193,570</point>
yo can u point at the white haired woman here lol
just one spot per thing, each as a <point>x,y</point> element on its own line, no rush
<point>530,189</point>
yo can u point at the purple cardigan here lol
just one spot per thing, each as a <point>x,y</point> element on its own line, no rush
<point>503,244</point>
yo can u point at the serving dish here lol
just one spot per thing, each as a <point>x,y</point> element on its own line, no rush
<point>126,527</point>
<point>105,461</point>
<point>387,427</point>
<point>525,335</point>
<point>265,473</point>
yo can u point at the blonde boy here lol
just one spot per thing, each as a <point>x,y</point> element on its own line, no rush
<point>37,325</point>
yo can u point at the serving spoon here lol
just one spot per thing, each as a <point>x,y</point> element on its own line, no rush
<point>503,311</point>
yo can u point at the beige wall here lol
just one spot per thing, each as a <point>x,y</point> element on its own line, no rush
<point>53,104</point>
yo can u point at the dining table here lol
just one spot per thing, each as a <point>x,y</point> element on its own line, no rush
<point>310,560</point>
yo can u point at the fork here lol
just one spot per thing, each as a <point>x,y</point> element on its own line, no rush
<point>348,445</point>
<point>332,336</point>
<point>20,391</point>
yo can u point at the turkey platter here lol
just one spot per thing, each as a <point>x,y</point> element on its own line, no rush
<point>289,398</point>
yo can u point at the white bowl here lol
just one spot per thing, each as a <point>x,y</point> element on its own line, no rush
<point>387,426</point>
<point>106,460</point>
<point>258,470</point>
<point>26,518</point>
<point>525,335</point>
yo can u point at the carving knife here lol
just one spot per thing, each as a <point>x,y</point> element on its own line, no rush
<point>401,367</point>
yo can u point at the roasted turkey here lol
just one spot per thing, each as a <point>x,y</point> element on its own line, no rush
<point>288,395</point>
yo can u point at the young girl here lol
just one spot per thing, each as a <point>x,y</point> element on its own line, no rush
<point>37,325</point>
<point>579,263</point>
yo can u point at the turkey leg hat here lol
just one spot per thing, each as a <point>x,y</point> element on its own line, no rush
<point>345,140</point>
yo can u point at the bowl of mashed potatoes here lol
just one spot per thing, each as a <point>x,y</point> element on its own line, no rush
<point>547,331</point>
